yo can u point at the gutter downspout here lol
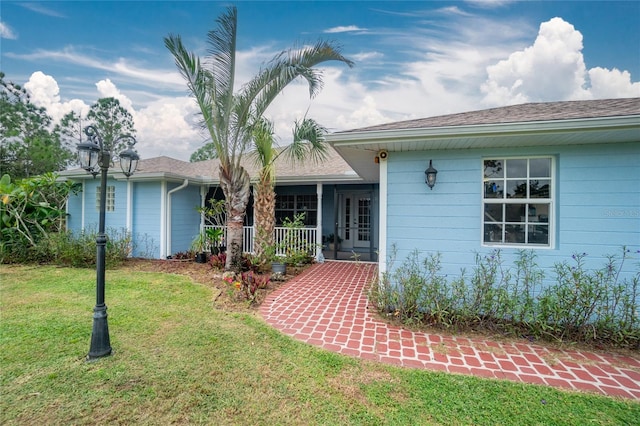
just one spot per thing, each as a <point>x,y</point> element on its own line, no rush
<point>168,216</point>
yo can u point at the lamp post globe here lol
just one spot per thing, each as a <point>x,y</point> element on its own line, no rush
<point>94,156</point>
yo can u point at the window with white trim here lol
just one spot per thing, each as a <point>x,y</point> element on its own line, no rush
<point>110,204</point>
<point>517,201</point>
<point>287,206</point>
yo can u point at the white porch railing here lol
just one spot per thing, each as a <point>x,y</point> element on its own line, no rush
<point>301,238</point>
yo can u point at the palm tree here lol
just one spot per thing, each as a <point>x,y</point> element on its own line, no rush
<point>229,117</point>
<point>308,144</point>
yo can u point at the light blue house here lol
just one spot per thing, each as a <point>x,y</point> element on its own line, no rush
<point>157,205</point>
<point>559,178</point>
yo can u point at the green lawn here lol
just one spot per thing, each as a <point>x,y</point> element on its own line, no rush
<point>178,360</point>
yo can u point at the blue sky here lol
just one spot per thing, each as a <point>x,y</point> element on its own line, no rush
<point>413,59</point>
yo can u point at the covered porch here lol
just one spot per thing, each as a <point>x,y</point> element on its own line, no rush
<point>345,214</point>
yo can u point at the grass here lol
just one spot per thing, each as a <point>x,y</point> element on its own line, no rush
<point>178,360</point>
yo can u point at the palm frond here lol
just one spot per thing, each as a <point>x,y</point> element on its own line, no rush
<point>222,59</point>
<point>199,81</point>
<point>308,142</point>
<point>256,96</point>
<point>265,150</point>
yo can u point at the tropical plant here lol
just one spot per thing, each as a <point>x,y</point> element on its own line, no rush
<point>30,209</point>
<point>308,143</point>
<point>214,213</point>
<point>214,237</point>
<point>229,117</point>
<point>199,243</point>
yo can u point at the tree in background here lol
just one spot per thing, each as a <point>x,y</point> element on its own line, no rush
<point>69,130</point>
<point>27,146</point>
<point>229,117</point>
<point>206,152</point>
<point>107,115</point>
<point>308,144</point>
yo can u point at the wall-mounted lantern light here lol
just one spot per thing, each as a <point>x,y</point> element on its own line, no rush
<point>430,173</point>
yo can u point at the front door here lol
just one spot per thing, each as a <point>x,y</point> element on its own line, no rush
<point>356,220</point>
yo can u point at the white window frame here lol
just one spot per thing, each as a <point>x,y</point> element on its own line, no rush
<point>311,214</point>
<point>552,220</point>
<point>110,204</point>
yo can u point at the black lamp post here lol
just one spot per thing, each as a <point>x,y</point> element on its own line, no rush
<point>95,158</point>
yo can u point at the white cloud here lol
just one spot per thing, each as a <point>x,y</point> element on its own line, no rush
<point>122,67</point>
<point>452,10</point>
<point>474,61</point>
<point>488,4</point>
<point>366,56</point>
<point>106,89</point>
<point>166,127</point>
<point>552,69</point>
<point>44,92</point>
<point>344,29</point>
<point>7,32</point>
<point>612,84</point>
<point>41,9</point>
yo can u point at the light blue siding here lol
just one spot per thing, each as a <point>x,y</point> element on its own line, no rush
<point>74,212</point>
<point>597,204</point>
<point>146,218</point>
<point>115,219</point>
<point>185,220</point>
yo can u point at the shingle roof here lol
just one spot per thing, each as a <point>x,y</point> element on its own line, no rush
<point>531,112</point>
<point>333,166</point>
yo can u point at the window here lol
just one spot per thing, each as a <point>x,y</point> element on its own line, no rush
<point>517,201</point>
<point>110,200</point>
<point>290,205</point>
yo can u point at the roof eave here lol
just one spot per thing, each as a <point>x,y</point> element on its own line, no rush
<point>483,134</point>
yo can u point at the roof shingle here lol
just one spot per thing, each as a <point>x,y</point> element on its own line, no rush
<point>530,112</point>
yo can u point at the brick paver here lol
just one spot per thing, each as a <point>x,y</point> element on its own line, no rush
<point>327,306</point>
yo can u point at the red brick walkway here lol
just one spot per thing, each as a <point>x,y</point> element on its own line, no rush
<point>327,306</point>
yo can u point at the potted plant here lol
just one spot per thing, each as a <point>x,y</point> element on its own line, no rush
<point>278,264</point>
<point>199,244</point>
<point>214,237</point>
<point>331,240</point>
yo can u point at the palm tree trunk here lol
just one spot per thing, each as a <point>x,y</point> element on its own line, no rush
<point>265,206</point>
<point>235,185</point>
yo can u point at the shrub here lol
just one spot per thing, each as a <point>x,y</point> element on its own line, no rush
<point>184,255</point>
<point>79,249</point>
<point>249,262</point>
<point>251,282</point>
<point>218,261</point>
<point>582,305</point>
<point>31,210</point>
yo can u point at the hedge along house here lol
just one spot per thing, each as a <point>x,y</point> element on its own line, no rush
<point>158,204</point>
<point>559,178</point>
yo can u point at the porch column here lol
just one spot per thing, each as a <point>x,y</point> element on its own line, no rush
<point>319,256</point>
<point>163,220</point>
<point>382,243</point>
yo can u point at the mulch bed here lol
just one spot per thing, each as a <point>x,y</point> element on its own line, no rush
<point>203,273</point>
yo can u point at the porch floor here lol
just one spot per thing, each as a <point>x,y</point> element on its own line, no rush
<point>350,255</point>
<point>327,306</point>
